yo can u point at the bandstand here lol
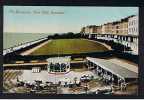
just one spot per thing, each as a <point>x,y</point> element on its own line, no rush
<point>58,64</point>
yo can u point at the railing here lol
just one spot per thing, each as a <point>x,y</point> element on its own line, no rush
<point>23,45</point>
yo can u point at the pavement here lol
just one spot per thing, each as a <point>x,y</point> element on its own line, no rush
<point>35,63</point>
<point>107,46</point>
<point>45,76</point>
<point>27,52</point>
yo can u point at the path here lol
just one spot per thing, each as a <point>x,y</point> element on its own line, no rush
<point>107,46</point>
<point>27,52</point>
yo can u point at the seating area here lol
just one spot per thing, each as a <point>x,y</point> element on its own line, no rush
<point>38,86</point>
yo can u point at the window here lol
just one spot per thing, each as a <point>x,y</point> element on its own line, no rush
<point>130,30</point>
<point>136,30</point>
<point>117,27</point>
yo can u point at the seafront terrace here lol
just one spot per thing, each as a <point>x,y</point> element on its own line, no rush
<point>127,40</point>
<point>23,45</point>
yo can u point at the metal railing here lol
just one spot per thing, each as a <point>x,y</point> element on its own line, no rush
<point>22,45</point>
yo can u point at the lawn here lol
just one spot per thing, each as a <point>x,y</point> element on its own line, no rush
<point>69,46</point>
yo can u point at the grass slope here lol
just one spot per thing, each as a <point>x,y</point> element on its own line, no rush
<point>69,46</point>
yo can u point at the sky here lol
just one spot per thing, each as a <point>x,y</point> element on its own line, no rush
<point>60,19</point>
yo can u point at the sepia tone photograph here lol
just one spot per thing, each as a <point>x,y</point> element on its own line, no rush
<point>70,50</point>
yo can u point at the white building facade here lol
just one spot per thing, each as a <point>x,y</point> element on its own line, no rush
<point>133,25</point>
<point>133,29</point>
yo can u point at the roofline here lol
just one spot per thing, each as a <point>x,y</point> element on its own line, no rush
<point>108,69</point>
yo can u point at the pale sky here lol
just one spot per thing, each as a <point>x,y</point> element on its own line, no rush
<point>39,19</point>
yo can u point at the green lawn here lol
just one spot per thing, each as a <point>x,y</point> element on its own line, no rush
<point>69,46</point>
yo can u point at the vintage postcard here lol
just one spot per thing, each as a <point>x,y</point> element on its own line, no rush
<point>70,50</point>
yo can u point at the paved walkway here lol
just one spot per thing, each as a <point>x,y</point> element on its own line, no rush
<point>34,64</point>
<point>27,52</point>
<point>107,46</point>
<point>45,76</point>
<point>100,88</point>
<point>24,64</point>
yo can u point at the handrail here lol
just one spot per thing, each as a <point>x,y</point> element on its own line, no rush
<point>22,45</point>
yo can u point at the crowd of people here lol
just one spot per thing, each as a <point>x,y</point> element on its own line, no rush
<point>51,87</point>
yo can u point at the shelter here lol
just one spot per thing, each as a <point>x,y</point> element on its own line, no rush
<point>114,73</point>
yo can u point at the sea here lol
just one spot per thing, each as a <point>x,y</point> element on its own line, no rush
<point>13,39</point>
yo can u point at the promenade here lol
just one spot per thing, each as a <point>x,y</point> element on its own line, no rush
<point>27,52</point>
